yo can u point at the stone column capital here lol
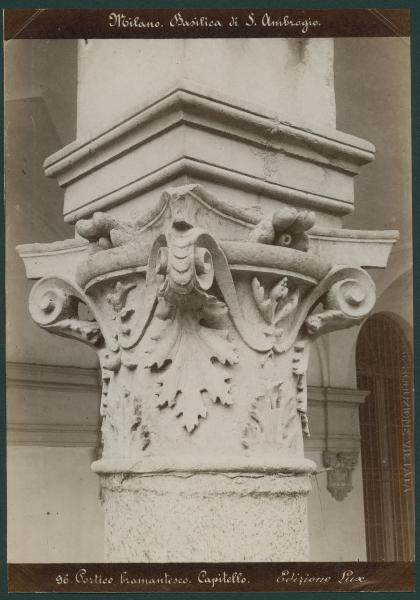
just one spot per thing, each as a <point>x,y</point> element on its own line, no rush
<point>191,328</point>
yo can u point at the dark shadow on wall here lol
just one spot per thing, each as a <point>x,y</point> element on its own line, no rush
<point>379,68</point>
<point>384,366</point>
<point>40,117</point>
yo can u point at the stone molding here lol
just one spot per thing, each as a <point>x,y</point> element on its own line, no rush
<point>328,245</point>
<point>48,434</point>
<point>37,405</point>
<point>187,170</point>
<point>62,379</point>
<point>194,102</point>
<point>203,119</point>
<point>43,260</point>
<point>80,434</point>
<point>51,377</point>
<point>336,395</point>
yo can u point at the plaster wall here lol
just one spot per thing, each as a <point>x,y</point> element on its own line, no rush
<point>40,91</point>
<point>293,78</point>
<point>45,69</point>
<point>54,511</point>
<point>336,529</point>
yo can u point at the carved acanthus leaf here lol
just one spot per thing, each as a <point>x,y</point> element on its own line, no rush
<point>300,363</point>
<point>254,425</point>
<point>192,350</point>
<point>118,297</point>
<point>347,295</point>
<point>84,331</point>
<point>276,307</point>
<point>123,427</point>
<point>123,317</point>
<point>272,413</point>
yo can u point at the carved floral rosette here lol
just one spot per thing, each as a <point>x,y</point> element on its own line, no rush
<point>203,341</point>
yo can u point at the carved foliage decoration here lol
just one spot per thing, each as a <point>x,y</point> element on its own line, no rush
<point>123,427</point>
<point>273,413</point>
<point>196,354</point>
<point>187,328</point>
<point>340,466</point>
<point>346,295</point>
<point>181,326</point>
<point>300,363</point>
<point>275,308</point>
<point>122,318</point>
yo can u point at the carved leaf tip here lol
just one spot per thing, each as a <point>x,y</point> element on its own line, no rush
<point>281,302</point>
<point>286,305</point>
<point>280,290</point>
<point>265,305</point>
<point>305,424</point>
<point>220,347</point>
<point>189,411</point>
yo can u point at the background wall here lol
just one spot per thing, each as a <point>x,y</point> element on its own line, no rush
<point>53,498</point>
<point>54,506</point>
<point>40,88</point>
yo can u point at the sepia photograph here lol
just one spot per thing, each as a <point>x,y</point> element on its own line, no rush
<point>209,322</point>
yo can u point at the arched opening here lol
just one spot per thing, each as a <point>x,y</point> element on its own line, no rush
<point>384,367</point>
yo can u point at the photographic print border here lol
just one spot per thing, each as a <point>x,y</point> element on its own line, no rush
<point>400,574</point>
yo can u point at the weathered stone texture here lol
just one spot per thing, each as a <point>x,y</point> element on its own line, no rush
<point>205,517</point>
